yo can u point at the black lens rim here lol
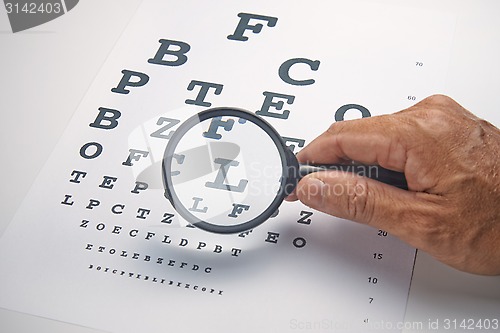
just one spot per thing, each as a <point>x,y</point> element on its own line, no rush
<point>287,181</point>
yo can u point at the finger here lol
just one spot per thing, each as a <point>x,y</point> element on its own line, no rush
<point>367,201</point>
<point>378,140</point>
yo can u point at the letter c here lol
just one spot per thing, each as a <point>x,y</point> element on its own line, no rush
<point>284,71</point>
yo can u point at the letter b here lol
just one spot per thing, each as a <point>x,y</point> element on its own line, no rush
<point>178,54</point>
<point>106,119</point>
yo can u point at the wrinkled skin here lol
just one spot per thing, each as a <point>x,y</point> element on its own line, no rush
<point>451,160</point>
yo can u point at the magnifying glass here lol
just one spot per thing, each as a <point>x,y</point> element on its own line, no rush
<point>227,170</point>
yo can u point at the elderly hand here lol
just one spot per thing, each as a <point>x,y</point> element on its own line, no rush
<point>451,160</point>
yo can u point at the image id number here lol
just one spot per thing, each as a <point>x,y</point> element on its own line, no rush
<point>33,8</point>
<point>471,324</point>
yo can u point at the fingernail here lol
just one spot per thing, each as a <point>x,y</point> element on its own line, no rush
<point>311,191</point>
<point>291,197</point>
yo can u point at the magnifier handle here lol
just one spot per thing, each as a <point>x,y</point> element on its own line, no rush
<point>375,172</point>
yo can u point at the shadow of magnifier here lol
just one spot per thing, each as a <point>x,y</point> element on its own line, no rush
<point>226,170</point>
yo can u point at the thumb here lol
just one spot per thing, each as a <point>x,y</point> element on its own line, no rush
<point>353,197</point>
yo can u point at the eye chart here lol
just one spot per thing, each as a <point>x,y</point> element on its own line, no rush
<point>97,244</point>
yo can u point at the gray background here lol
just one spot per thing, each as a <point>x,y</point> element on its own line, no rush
<point>46,71</point>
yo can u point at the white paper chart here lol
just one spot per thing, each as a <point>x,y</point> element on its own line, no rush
<point>97,244</point>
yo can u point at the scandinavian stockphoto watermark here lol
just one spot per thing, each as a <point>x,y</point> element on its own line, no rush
<point>24,15</point>
<point>261,186</point>
<point>429,325</point>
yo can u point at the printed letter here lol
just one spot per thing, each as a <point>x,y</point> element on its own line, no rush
<point>205,86</point>
<point>111,120</point>
<point>134,155</point>
<point>268,103</point>
<point>160,133</point>
<point>108,181</point>
<point>98,150</point>
<point>139,186</point>
<point>339,115</point>
<point>195,206</point>
<point>218,183</point>
<point>238,209</point>
<point>179,53</point>
<point>141,80</point>
<point>299,142</point>
<point>244,25</point>
<point>284,71</point>
<point>214,126</point>
<point>77,175</point>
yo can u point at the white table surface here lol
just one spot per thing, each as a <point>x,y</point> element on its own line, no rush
<point>46,71</point>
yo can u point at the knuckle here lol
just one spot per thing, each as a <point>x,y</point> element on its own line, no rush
<point>440,99</point>
<point>336,128</point>
<point>435,106</point>
<point>432,122</point>
<point>436,114</point>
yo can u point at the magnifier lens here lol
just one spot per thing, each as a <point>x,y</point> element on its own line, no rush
<point>224,173</point>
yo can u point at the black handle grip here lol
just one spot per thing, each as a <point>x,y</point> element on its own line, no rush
<point>375,172</point>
